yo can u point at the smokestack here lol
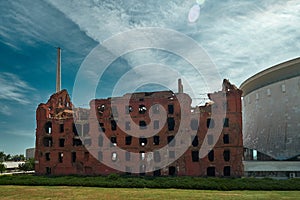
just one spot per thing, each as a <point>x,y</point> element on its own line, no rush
<point>58,71</point>
<point>180,86</point>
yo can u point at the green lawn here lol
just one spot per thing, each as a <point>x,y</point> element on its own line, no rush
<point>67,192</point>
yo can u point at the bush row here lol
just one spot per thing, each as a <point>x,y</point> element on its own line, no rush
<point>116,181</point>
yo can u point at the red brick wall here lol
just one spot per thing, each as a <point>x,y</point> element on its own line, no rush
<point>58,110</point>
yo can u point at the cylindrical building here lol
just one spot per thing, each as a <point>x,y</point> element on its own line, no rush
<point>271,111</point>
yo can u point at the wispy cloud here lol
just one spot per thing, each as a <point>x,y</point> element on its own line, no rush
<point>4,109</point>
<point>13,89</point>
<point>242,37</point>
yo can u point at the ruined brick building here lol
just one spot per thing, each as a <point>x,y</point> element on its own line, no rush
<point>146,133</point>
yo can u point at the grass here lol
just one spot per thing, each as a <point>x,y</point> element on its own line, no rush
<point>66,192</point>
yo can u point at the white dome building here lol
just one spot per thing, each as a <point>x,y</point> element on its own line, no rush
<point>271,112</point>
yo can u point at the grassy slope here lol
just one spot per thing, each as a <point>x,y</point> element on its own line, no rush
<point>66,192</point>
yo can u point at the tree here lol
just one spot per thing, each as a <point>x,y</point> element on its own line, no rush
<point>28,165</point>
<point>2,168</point>
<point>2,156</point>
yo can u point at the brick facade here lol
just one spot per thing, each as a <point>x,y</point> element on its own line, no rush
<point>150,133</point>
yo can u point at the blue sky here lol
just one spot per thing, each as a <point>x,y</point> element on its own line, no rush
<point>241,37</point>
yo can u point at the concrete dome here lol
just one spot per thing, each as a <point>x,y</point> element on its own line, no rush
<point>271,111</point>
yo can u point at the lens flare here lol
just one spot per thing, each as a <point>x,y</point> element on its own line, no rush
<point>194,13</point>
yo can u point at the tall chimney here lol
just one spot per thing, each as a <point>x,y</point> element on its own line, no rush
<point>58,71</point>
<point>180,86</point>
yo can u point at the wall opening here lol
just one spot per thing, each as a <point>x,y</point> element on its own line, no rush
<point>195,141</point>
<point>77,142</point>
<point>211,171</point>
<point>142,109</point>
<point>86,129</point>
<point>127,156</point>
<point>226,155</point>
<point>210,123</point>
<point>100,141</point>
<point>88,142</point>
<point>86,156</point>
<point>156,124</point>
<point>195,156</point>
<point>226,122</point>
<point>156,172</point>
<point>171,123</point>
<point>101,127</point>
<point>47,156</point>
<point>128,170</point>
<point>172,171</point>
<point>61,128</point>
<point>226,138</point>
<point>128,140</point>
<point>142,155</point>
<point>113,125</point>
<point>61,142</point>
<point>114,156</point>
<point>47,141</point>
<point>74,129</point>
<point>48,127</point>
<point>211,155</point>
<point>142,170</point>
<point>143,141</point>
<point>73,157</point>
<point>48,170</point>
<point>128,109</point>
<point>171,154</point>
<point>210,139</point>
<point>114,111</point>
<point>113,141</point>
<point>155,109</point>
<point>127,126</point>
<point>100,156</point>
<point>101,109</point>
<point>142,124</point>
<point>226,171</point>
<point>170,109</point>
<point>156,156</point>
<point>194,124</point>
<point>60,157</point>
<point>156,140</point>
<point>171,141</point>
